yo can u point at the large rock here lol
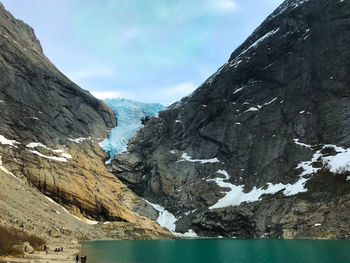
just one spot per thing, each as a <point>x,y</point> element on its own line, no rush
<point>27,248</point>
<point>280,99</point>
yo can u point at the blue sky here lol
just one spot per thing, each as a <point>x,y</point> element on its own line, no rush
<point>146,50</point>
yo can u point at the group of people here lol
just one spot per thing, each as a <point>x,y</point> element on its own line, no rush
<point>82,259</point>
<point>57,249</point>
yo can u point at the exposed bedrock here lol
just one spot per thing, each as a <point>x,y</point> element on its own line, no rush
<point>261,147</point>
<point>49,134</point>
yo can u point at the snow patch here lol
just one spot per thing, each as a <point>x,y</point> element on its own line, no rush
<point>63,158</point>
<point>189,233</point>
<point>36,144</point>
<point>338,163</point>
<point>55,158</point>
<point>5,141</point>
<point>80,139</point>
<point>223,172</point>
<point>190,212</point>
<point>89,222</point>
<point>268,103</point>
<point>237,90</point>
<point>236,196</point>
<point>67,155</point>
<point>298,3</point>
<point>187,158</point>
<point>252,109</point>
<point>296,141</point>
<point>165,218</point>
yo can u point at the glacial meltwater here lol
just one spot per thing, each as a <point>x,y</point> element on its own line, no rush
<point>218,250</point>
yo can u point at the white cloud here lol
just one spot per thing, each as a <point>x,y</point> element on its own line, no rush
<point>223,6</point>
<point>180,90</point>
<point>110,94</point>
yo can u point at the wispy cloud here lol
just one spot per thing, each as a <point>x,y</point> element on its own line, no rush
<point>140,49</point>
<point>223,6</point>
<point>110,94</point>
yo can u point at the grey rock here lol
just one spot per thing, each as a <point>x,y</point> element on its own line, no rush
<point>39,103</point>
<point>289,80</point>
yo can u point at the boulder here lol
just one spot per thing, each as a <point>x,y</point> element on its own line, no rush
<point>27,248</point>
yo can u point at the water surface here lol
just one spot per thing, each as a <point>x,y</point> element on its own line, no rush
<point>218,250</point>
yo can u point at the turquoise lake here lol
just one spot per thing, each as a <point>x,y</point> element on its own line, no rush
<point>218,250</point>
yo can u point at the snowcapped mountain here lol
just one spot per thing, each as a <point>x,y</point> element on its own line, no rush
<point>130,115</point>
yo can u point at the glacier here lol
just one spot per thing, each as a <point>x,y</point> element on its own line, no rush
<point>129,120</point>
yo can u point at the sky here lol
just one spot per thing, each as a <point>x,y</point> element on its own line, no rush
<point>145,50</point>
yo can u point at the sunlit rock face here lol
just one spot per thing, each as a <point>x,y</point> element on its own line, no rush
<point>49,134</point>
<point>260,149</point>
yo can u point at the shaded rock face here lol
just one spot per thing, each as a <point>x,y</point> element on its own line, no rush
<point>49,134</point>
<point>267,116</point>
<point>37,101</point>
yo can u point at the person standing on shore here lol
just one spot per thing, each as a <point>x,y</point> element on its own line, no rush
<point>77,258</point>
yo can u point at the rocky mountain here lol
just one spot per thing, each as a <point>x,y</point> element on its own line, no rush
<point>49,134</point>
<point>261,148</point>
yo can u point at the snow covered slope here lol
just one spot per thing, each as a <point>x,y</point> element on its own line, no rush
<point>129,116</point>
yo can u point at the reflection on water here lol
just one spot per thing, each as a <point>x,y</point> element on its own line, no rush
<point>218,250</point>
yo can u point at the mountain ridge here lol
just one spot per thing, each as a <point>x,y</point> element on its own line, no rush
<point>53,179</point>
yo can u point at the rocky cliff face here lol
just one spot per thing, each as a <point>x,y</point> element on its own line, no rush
<point>49,134</point>
<point>260,149</point>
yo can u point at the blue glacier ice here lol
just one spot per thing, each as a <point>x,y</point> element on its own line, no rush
<point>129,117</point>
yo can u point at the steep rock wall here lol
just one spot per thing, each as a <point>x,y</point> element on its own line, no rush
<point>250,152</point>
